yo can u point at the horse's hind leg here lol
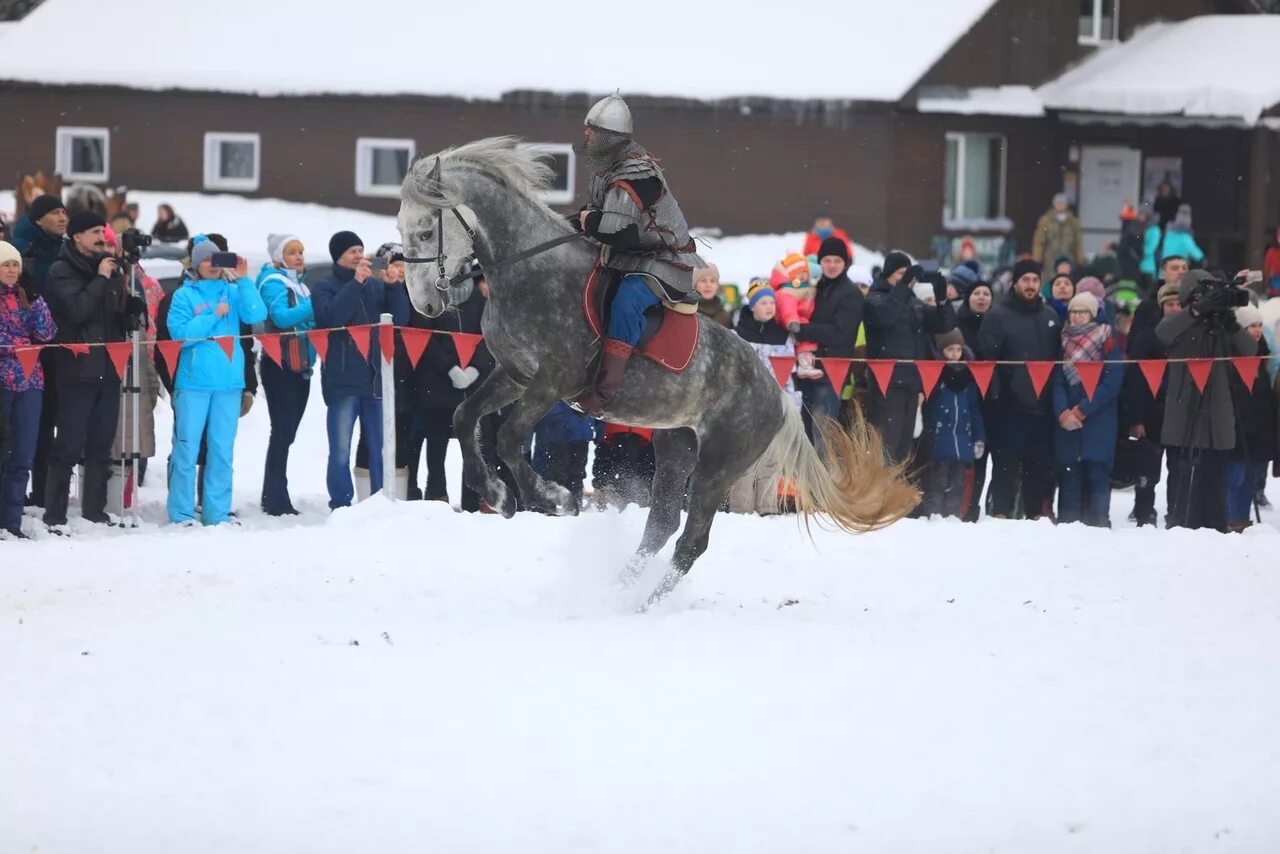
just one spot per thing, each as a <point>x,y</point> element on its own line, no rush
<point>676,452</point>
<point>498,390</point>
<point>539,495</point>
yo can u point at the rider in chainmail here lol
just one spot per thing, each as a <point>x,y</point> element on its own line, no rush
<point>633,213</point>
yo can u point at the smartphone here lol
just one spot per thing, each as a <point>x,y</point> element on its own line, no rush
<point>225,260</point>
<point>1253,277</point>
<point>377,263</point>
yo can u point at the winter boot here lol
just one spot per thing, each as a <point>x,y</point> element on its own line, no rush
<point>93,504</point>
<point>57,493</point>
<point>612,370</point>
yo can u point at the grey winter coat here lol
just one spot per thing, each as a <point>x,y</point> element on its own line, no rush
<point>1192,419</point>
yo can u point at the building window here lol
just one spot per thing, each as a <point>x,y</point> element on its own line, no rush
<point>974,184</point>
<point>562,160</point>
<point>83,154</point>
<point>232,161</point>
<point>381,165</point>
<point>1099,21</point>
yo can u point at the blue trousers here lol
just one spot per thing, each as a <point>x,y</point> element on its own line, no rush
<point>23,408</point>
<point>1242,479</point>
<point>626,315</point>
<point>341,424</point>
<point>216,416</point>
<point>1077,480</point>
<point>287,393</point>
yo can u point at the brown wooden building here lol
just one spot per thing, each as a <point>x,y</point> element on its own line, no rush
<point>971,146</point>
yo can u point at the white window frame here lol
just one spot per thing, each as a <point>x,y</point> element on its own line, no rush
<point>62,153</point>
<point>365,146</point>
<point>1096,37</point>
<point>551,196</point>
<point>213,179</point>
<point>960,222</point>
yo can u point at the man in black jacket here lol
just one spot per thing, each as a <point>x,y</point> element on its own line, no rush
<point>1143,411</point>
<point>1020,328</point>
<point>86,294</point>
<point>900,326</point>
<point>833,326</point>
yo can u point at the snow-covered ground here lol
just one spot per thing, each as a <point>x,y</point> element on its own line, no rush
<point>401,678</point>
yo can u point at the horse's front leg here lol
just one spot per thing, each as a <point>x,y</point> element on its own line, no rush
<point>539,396</point>
<point>498,390</point>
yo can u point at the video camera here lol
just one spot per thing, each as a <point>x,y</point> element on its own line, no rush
<point>132,242</point>
<point>1216,295</point>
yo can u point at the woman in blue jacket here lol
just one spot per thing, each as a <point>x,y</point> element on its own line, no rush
<point>209,383</point>
<point>1084,442</point>
<point>287,385</point>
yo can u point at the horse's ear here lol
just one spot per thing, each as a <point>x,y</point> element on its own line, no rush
<point>429,183</point>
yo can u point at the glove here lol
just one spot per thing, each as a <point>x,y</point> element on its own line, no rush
<point>462,377</point>
<point>794,327</point>
<point>473,374</point>
<point>914,272</point>
<point>246,403</point>
<point>979,448</point>
<point>939,283</point>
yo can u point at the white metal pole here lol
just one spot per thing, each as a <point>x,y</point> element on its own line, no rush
<point>389,487</point>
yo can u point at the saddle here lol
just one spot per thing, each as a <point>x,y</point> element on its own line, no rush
<point>670,336</point>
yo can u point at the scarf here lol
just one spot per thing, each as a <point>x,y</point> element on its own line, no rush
<point>1086,343</point>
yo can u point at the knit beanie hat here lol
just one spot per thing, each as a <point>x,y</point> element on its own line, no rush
<point>392,251</point>
<point>341,242</point>
<point>1247,315</point>
<point>893,262</point>
<point>946,339</point>
<point>1056,276</point>
<point>82,221</point>
<point>202,249</point>
<point>1026,265</point>
<point>923,291</point>
<point>1092,285</point>
<point>793,265</point>
<point>1084,302</point>
<point>758,290</point>
<point>711,270</point>
<point>43,206</point>
<point>276,244</point>
<point>834,246</point>
<point>963,277</point>
<point>9,252</point>
<point>1168,293</point>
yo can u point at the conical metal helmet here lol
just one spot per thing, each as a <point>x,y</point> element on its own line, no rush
<point>612,114</point>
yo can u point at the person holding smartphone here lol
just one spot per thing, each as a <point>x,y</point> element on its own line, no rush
<point>209,385</point>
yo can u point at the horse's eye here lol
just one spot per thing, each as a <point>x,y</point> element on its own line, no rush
<point>424,235</point>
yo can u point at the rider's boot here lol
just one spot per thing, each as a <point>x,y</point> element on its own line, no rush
<point>612,369</point>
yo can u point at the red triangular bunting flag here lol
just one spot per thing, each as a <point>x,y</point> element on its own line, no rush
<point>320,340</point>
<point>466,343</point>
<point>78,349</point>
<point>1199,369</point>
<point>1090,373</point>
<point>387,341</point>
<point>1039,373</point>
<point>981,372</point>
<point>360,337</point>
<point>882,370</point>
<point>415,342</point>
<point>837,371</point>
<point>27,357</point>
<point>1153,370</point>
<point>782,368</point>
<point>227,343</point>
<point>930,371</point>
<point>1247,367</point>
<point>169,351</point>
<point>271,347</point>
<point>119,351</point>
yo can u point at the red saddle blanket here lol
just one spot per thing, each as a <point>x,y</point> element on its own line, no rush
<point>671,345</point>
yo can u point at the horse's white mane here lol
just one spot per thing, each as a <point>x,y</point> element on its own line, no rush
<point>501,157</point>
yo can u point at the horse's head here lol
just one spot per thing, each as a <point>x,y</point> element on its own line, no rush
<point>436,240</point>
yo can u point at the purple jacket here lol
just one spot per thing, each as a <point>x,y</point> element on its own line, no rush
<point>19,328</point>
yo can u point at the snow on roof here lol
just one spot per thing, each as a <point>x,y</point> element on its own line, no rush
<point>1000,101</point>
<point>1215,66</point>
<point>703,50</point>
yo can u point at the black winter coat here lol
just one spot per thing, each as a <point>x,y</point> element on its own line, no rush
<point>434,388</point>
<point>88,309</point>
<point>1137,405</point>
<point>1255,414</point>
<point>756,332</point>
<point>1019,331</point>
<point>969,323</point>
<point>837,314</point>
<point>900,326</point>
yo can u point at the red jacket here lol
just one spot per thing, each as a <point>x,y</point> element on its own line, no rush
<point>812,242</point>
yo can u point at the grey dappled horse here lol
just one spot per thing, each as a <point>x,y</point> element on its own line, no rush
<point>716,420</point>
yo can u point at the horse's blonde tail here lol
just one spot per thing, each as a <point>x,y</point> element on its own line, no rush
<point>852,486</point>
